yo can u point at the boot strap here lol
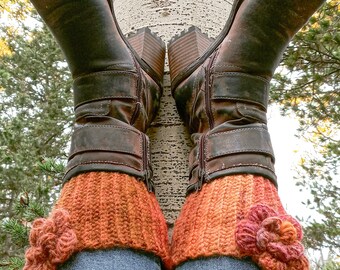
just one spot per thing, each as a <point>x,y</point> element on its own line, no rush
<point>229,149</point>
<point>112,146</point>
<point>242,87</point>
<point>103,85</point>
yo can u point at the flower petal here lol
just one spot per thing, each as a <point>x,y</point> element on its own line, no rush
<point>260,212</point>
<point>272,240</point>
<point>245,236</point>
<point>267,262</point>
<point>296,225</point>
<point>52,241</point>
<point>285,253</point>
<point>301,264</point>
<point>264,237</point>
<point>288,233</point>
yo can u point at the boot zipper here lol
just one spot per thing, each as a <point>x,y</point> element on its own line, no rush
<point>148,174</point>
<point>207,93</point>
<point>139,95</point>
<point>201,168</point>
<point>147,171</point>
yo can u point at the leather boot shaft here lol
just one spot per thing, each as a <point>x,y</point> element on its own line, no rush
<point>236,77</point>
<point>224,100</point>
<point>116,93</point>
<point>226,115</point>
<point>113,110</point>
<point>260,33</point>
<point>86,32</point>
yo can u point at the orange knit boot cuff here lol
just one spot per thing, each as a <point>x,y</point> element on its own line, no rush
<point>99,210</point>
<point>239,216</point>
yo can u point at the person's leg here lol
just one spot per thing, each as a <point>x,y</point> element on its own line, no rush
<point>218,263</point>
<point>238,216</point>
<point>114,259</point>
<point>106,201</point>
<point>232,206</point>
<point>98,211</point>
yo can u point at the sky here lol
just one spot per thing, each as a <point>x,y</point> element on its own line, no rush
<point>288,150</point>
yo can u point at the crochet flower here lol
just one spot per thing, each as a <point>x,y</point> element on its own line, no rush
<point>52,242</point>
<point>272,240</point>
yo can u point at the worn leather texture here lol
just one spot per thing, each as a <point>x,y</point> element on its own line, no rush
<point>224,101</point>
<point>115,99</point>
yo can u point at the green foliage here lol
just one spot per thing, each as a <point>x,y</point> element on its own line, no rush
<point>35,126</point>
<point>12,263</point>
<point>308,87</point>
<point>329,263</point>
<point>17,230</point>
<point>331,266</point>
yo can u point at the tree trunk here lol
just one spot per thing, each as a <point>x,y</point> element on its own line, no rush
<point>170,142</point>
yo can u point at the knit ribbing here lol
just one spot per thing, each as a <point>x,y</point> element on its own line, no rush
<point>239,216</point>
<point>108,210</point>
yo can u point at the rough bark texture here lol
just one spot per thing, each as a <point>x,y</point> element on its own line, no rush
<point>170,141</point>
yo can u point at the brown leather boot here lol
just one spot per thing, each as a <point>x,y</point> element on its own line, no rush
<point>102,204</point>
<point>116,91</point>
<point>222,95</point>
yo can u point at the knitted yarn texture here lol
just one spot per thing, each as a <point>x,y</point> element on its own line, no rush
<point>99,210</point>
<point>239,216</point>
<point>52,242</point>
